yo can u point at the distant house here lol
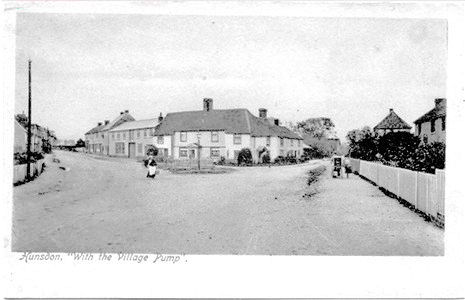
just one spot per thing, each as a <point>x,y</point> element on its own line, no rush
<point>431,127</point>
<point>97,139</point>
<point>223,133</point>
<point>392,123</point>
<point>20,142</point>
<point>132,139</point>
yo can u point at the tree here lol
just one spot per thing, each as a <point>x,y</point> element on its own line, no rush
<point>362,144</point>
<point>244,157</point>
<point>316,127</point>
<point>428,158</point>
<point>152,150</point>
<point>80,143</point>
<point>397,148</point>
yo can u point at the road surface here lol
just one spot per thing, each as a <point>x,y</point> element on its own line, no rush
<point>108,205</point>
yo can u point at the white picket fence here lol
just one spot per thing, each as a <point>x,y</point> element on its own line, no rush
<point>426,192</point>
<point>20,171</point>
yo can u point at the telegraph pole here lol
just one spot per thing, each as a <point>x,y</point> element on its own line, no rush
<point>28,169</point>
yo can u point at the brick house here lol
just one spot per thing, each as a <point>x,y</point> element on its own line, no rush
<point>392,123</point>
<point>132,139</point>
<point>223,133</point>
<point>97,139</point>
<point>431,127</point>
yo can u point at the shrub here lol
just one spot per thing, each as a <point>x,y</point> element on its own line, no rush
<point>152,150</point>
<point>244,157</point>
<point>428,158</point>
<point>291,160</point>
<point>266,158</point>
<point>279,160</point>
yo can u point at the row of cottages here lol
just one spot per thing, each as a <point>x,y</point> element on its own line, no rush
<point>98,140</point>
<point>133,138</point>
<point>220,133</point>
<point>431,127</point>
<point>39,136</point>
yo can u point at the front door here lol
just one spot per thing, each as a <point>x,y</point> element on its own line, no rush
<point>132,150</point>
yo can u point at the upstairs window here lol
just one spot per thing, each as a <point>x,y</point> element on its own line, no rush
<point>433,127</point>
<point>160,140</point>
<point>419,128</point>
<point>124,135</point>
<point>268,140</point>
<point>281,141</point>
<point>443,122</point>
<point>183,136</point>
<point>138,133</point>
<point>237,140</point>
<point>214,137</point>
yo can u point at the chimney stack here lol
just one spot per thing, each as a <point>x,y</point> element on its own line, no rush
<point>126,111</point>
<point>107,122</point>
<point>207,104</point>
<point>121,113</point>
<point>160,118</point>
<point>439,101</point>
<point>391,110</point>
<point>99,124</point>
<point>262,112</point>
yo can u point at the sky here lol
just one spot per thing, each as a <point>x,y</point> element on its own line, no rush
<point>86,68</point>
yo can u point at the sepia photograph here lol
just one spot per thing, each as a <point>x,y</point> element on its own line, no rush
<point>248,135</point>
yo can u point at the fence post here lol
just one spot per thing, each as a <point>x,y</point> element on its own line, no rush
<point>416,189</point>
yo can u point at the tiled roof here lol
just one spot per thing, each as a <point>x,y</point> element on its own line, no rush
<point>438,111</point>
<point>239,121</point>
<point>149,123</point>
<point>123,117</point>
<point>95,129</point>
<point>392,121</point>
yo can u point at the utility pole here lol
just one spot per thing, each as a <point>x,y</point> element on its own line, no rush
<point>198,150</point>
<point>28,169</point>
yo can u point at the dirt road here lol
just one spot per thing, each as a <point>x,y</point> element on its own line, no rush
<point>108,205</point>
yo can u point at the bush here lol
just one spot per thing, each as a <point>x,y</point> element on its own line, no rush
<point>152,150</point>
<point>279,160</point>
<point>291,160</point>
<point>221,161</point>
<point>21,158</point>
<point>428,158</point>
<point>244,157</point>
<point>266,158</point>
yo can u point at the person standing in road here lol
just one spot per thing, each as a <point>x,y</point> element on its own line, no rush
<point>151,164</point>
<point>347,167</point>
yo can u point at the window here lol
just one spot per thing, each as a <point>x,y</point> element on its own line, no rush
<point>119,148</point>
<point>118,136</point>
<point>268,140</point>
<point>237,140</point>
<point>183,137</point>
<point>443,123</point>
<point>138,133</point>
<point>145,133</point>
<point>419,128</point>
<point>215,137</point>
<point>182,152</point>
<point>160,140</point>
<point>151,131</point>
<point>281,141</point>
<point>103,136</point>
<point>433,127</point>
<point>139,147</point>
<point>214,152</point>
<point>124,135</point>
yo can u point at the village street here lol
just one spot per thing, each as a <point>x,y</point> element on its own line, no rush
<point>107,205</point>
